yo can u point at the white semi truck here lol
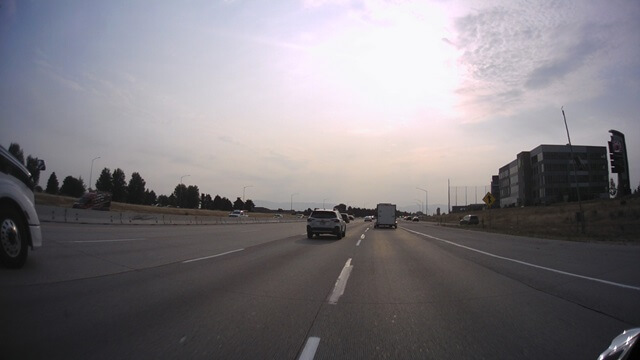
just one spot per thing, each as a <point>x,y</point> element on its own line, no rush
<point>386,216</point>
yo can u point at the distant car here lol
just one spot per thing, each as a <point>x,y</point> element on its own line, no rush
<point>345,217</point>
<point>415,218</point>
<point>19,223</point>
<point>368,218</point>
<point>96,200</point>
<point>277,216</point>
<point>324,221</point>
<point>351,217</point>
<point>238,213</point>
<point>470,220</point>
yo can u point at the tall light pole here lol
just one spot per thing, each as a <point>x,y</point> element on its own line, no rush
<point>292,201</point>
<point>91,172</point>
<point>182,177</point>
<point>243,189</point>
<point>426,200</point>
<point>420,203</point>
<point>448,196</point>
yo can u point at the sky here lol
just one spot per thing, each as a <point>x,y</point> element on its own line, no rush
<point>315,101</point>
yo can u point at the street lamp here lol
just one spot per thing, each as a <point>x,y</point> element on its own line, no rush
<point>292,201</point>
<point>182,177</point>
<point>91,172</point>
<point>426,200</point>
<point>243,189</point>
<point>421,204</point>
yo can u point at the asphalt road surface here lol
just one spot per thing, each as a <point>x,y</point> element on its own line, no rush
<point>265,291</point>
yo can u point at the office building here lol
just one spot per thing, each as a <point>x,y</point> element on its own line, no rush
<point>546,175</point>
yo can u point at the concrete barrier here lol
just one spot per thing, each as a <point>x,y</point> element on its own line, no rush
<point>47,213</point>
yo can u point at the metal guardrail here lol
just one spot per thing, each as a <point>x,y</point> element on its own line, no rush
<point>47,213</point>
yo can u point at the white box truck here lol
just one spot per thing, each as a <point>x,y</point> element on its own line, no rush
<point>386,216</point>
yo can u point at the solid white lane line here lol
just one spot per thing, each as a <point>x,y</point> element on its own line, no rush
<point>310,348</point>
<point>212,256</point>
<point>102,241</point>
<point>341,283</point>
<point>529,264</point>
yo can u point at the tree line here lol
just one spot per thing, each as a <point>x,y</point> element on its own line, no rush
<point>133,192</point>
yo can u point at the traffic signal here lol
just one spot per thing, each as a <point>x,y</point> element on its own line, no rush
<point>617,158</point>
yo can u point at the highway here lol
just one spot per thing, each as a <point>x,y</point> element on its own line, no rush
<point>265,291</point>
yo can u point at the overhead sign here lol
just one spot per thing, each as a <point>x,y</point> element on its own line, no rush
<point>489,199</point>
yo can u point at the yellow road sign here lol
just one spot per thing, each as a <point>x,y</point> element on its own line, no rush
<point>489,199</point>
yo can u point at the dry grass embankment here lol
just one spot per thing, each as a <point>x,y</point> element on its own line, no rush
<point>65,201</point>
<point>615,220</point>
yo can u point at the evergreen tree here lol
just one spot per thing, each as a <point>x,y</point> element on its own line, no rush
<point>53,187</point>
<point>226,204</point>
<point>249,205</point>
<point>193,197</point>
<point>72,187</point>
<point>180,195</point>
<point>238,204</point>
<point>119,186</point>
<point>16,151</point>
<point>32,166</point>
<point>163,200</point>
<point>217,203</point>
<point>136,189</point>
<point>150,197</point>
<point>105,181</point>
<point>207,203</point>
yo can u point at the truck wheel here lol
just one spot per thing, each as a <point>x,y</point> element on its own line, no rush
<point>13,238</point>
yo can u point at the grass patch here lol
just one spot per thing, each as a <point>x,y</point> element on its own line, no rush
<point>614,220</point>
<point>65,201</point>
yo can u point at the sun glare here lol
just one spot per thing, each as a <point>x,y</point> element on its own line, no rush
<point>397,62</point>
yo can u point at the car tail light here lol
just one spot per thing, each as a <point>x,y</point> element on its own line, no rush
<point>336,220</point>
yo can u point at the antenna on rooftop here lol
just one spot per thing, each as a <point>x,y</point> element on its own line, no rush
<point>580,214</point>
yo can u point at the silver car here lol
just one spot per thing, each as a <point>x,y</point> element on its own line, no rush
<point>323,221</point>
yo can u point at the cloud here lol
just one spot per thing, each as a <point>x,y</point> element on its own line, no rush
<point>520,56</point>
<point>569,60</point>
<point>319,3</point>
<point>57,76</point>
<point>229,140</point>
<point>285,162</point>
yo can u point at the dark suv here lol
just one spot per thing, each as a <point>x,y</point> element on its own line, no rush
<point>322,221</point>
<point>470,220</point>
